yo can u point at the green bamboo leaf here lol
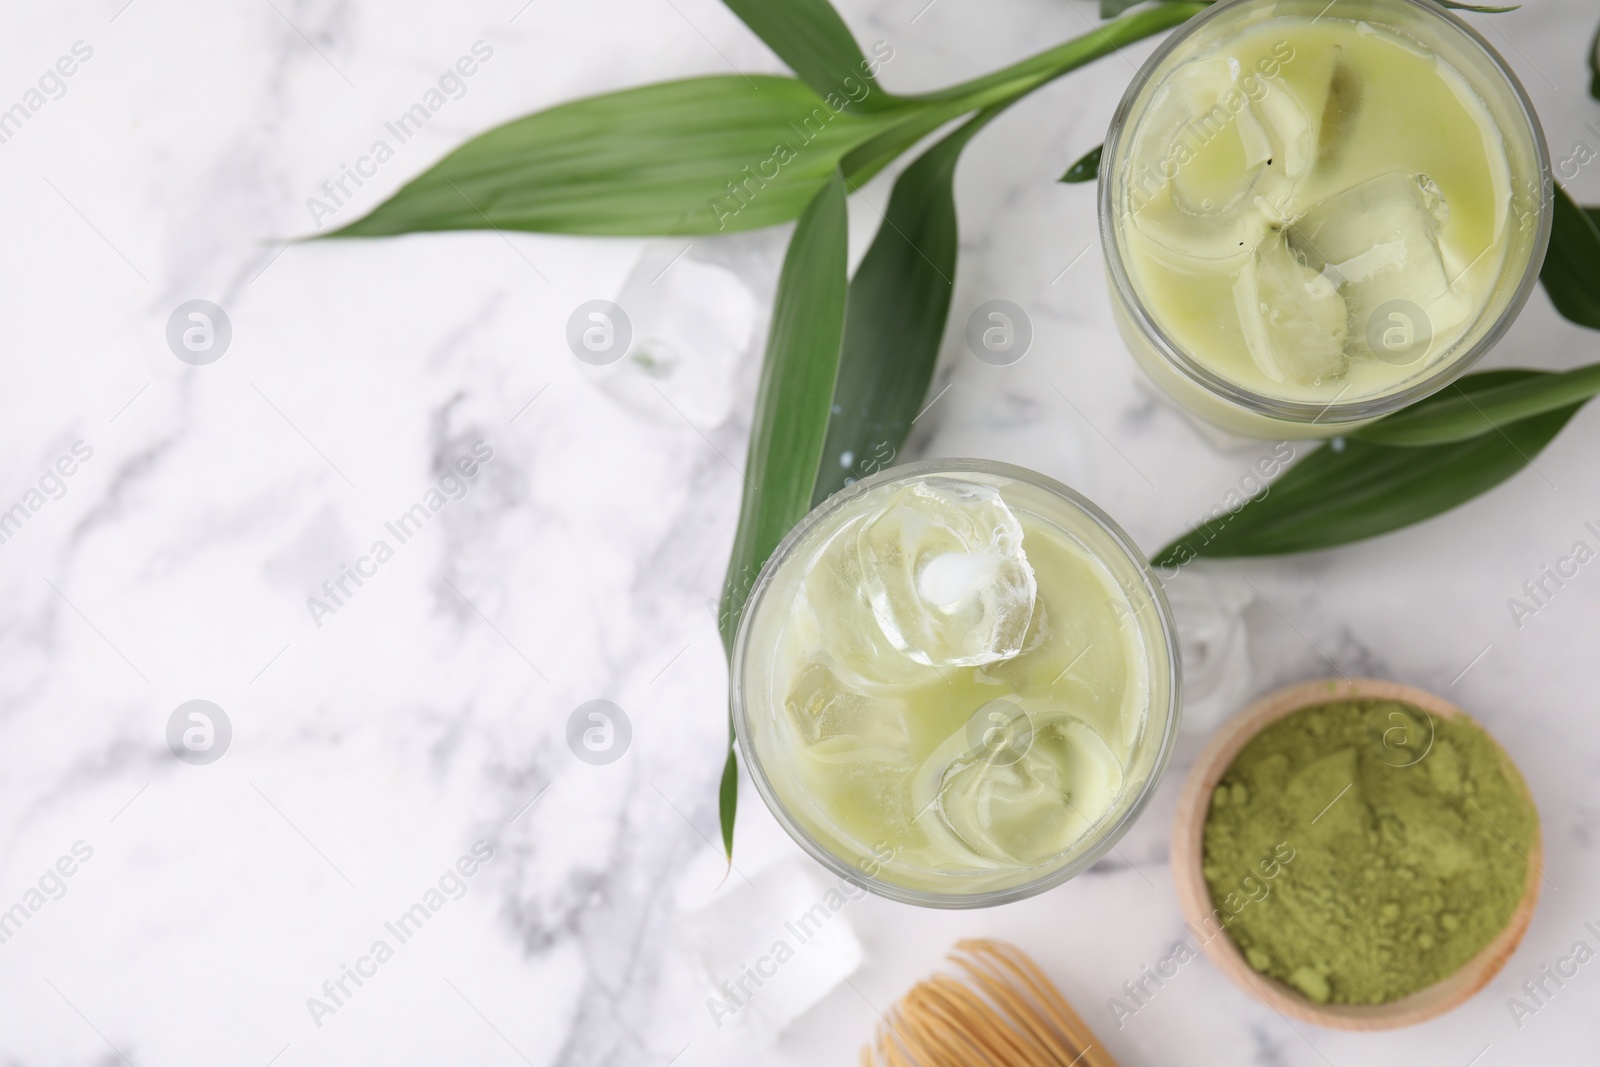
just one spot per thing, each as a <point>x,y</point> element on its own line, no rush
<point>934,109</point>
<point>728,799</point>
<point>1482,9</point>
<point>813,40</point>
<point>895,317</point>
<point>792,404</point>
<point>1022,78</point>
<point>862,163</point>
<point>1571,271</point>
<point>700,156</point>
<point>791,417</point>
<point>1354,489</point>
<point>1456,415</point>
<point>1594,66</point>
<point>704,155</point>
<point>1085,169</point>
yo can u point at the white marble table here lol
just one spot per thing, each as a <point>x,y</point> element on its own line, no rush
<point>212,910</point>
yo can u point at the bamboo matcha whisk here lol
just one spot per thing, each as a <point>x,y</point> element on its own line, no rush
<point>998,1010</point>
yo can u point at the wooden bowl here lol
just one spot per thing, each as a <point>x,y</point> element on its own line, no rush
<point>1195,899</point>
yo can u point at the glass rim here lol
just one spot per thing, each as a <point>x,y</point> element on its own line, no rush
<point>1307,412</point>
<point>992,897</point>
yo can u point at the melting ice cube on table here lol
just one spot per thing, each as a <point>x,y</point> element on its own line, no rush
<point>741,929</point>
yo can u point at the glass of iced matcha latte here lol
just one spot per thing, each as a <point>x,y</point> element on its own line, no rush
<point>1315,213</point>
<point>956,683</point>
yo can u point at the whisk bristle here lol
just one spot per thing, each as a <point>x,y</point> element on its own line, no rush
<point>998,1010</point>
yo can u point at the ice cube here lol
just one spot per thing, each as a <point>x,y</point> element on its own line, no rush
<point>1291,140</point>
<point>1030,801</point>
<point>1209,610</point>
<point>1187,242</point>
<point>1216,154</point>
<point>840,724</point>
<point>1379,242</point>
<point>698,320</point>
<point>1292,315</point>
<point>762,952</point>
<point>943,568</point>
<point>1214,164</point>
<point>838,622</point>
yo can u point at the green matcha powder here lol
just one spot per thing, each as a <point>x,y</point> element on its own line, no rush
<point>1407,836</point>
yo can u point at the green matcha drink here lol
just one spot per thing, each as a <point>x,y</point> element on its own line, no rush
<point>955,683</point>
<point>1316,213</point>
